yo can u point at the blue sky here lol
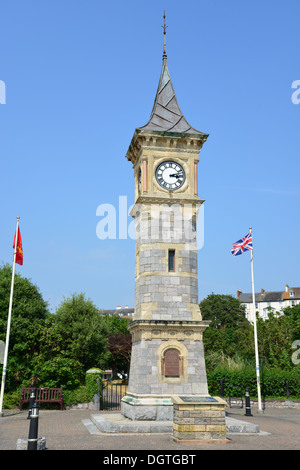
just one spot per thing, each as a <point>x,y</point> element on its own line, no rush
<point>80,76</point>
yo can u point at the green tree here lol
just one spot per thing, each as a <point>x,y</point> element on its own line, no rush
<point>276,335</point>
<point>83,331</point>
<point>28,302</point>
<point>51,365</point>
<point>293,315</point>
<point>229,332</point>
<point>224,311</point>
<point>29,311</point>
<point>116,324</point>
<point>119,344</point>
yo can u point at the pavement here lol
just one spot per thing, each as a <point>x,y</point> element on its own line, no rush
<point>276,429</point>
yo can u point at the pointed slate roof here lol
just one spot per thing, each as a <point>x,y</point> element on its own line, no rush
<point>166,115</point>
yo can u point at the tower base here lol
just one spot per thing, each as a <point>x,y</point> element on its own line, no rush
<point>147,408</point>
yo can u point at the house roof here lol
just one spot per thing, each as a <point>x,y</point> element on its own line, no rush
<point>271,296</point>
<point>296,291</point>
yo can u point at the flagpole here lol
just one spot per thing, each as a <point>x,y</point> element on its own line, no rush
<point>255,334</point>
<point>9,320</point>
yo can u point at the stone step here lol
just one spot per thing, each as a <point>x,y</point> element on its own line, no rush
<point>117,423</point>
<point>238,426</point>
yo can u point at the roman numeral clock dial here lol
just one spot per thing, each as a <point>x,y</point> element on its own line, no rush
<point>170,175</point>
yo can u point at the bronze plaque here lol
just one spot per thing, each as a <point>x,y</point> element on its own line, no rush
<point>197,399</point>
<point>172,363</point>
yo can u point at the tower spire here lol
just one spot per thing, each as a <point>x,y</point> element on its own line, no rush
<point>164,28</point>
<point>166,115</point>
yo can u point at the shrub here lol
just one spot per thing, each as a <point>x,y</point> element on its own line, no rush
<point>72,397</point>
<point>92,386</point>
<point>11,400</point>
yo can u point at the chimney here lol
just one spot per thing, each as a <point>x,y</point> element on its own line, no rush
<point>262,292</point>
<point>238,293</point>
<point>286,293</point>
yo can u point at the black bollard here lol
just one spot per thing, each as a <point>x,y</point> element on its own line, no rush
<point>287,389</point>
<point>222,388</point>
<point>31,402</point>
<point>33,427</point>
<point>247,403</point>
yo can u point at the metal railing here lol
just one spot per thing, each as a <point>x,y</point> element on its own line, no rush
<point>111,395</point>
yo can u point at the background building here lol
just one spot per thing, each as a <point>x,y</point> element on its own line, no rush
<point>269,301</point>
<point>126,311</point>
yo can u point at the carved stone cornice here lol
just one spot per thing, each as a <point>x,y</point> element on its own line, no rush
<point>180,200</point>
<point>175,141</point>
<point>164,330</point>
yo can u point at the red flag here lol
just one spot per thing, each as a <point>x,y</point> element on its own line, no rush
<point>19,250</point>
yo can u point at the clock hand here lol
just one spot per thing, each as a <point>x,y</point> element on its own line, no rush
<point>176,175</point>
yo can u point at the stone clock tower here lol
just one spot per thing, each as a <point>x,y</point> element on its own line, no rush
<point>167,350</point>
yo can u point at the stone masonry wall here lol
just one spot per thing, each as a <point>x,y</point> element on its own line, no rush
<point>199,421</point>
<point>146,379</point>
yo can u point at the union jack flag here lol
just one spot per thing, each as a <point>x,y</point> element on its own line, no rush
<point>244,244</point>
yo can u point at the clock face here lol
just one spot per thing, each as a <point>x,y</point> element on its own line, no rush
<point>170,175</point>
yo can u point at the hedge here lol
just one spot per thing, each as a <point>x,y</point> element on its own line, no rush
<point>273,382</point>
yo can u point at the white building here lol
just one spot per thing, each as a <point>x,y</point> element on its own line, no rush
<point>265,302</point>
<point>126,312</point>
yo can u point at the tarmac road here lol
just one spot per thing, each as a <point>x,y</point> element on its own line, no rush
<point>65,430</point>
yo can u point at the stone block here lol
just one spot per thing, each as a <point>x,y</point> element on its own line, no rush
<point>147,409</point>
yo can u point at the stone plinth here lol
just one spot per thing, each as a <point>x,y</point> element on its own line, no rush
<point>198,419</point>
<point>147,408</point>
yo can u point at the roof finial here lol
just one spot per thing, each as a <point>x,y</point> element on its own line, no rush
<point>164,27</point>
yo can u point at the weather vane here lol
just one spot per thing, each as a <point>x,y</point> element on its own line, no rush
<point>164,27</point>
